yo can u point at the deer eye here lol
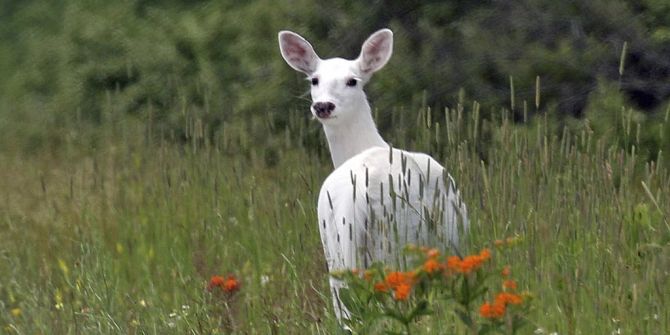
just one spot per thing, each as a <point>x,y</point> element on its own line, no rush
<point>351,82</point>
<point>315,81</point>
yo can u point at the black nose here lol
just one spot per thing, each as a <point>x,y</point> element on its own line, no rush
<point>323,109</point>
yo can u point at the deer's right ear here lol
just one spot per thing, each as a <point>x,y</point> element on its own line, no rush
<point>297,52</point>
<point>376,52</point>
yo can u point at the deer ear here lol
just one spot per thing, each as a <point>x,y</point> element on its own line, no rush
<point>297,52</point>
<point>376,51</point>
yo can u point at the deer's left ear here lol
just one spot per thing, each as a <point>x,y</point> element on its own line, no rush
<point>376,52</point>
<point>297,52</point>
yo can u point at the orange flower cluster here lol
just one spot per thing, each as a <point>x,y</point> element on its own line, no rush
<point>492,311</point>
<point>469,263</point>
<point>229,285</point>
<point>509,284</point>
<point>400,282</point>
<point>496,310</point>
<point>431,265</point>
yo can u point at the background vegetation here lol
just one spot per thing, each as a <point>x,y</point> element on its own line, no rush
<point>216,61</point>
<point>147,145</point>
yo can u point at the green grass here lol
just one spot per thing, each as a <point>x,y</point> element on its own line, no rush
<point>120,231</point>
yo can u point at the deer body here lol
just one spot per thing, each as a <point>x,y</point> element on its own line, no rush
<point>378,198</point>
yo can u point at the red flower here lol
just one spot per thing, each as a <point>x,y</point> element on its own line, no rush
<point>216,281</point>
<point>229,285</point>
<point>492,311</point>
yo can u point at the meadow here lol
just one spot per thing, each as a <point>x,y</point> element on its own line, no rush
<point>120,228</point>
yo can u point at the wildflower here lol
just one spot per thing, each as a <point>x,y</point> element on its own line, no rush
<point>216,281</point>
<point>431,265</point>
<point>58,296</point>
<point>228,285</point>
<point>394,279</point>
<point>509,284</point>
<point>432,253</point>
<point>402,291</point>
<point>381,287</point>
<point>453,263</point>
<point>400,282</point>
<point>469,263</point>
<point>505,271</point>
<point>265,279</point>
<point>231,284</point>
<point>508,298</point>
<point>16,312</point>
<point>492,311</point>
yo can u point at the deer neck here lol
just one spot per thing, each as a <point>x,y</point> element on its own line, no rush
<point>348,139</point>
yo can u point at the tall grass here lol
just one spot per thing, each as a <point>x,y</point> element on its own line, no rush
<point>120,229</point>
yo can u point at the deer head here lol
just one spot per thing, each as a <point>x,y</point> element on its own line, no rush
<point>336,83</point>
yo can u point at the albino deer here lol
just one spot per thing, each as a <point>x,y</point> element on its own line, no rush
<point>379,198</point>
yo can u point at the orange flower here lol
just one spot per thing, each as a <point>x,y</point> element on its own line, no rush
<point>469,263</point>
<point>231,284</point>
<point>395,279</point>
<point>400,282</point>
<point>432,253</point>
<point>402,292</point>
<point>216,281</point>
<point>453,263</point>
<point>505,271</point>
<point>509,284</point>
<point>492,311</point>
<point>431,265</point>
<point>506,298</point>
<point>228,285</point>
<point>381,287</point>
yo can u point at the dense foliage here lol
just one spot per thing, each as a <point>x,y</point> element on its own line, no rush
<point>214,65</point>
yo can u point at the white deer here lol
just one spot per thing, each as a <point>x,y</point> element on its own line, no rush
<point>379,198</point>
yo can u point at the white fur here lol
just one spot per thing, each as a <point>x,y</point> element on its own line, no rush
<point>378,198</point>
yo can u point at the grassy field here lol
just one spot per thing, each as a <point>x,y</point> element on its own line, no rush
<point>119,231</point>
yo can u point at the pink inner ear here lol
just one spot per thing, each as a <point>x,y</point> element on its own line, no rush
<point>375,46</point>
<point>294,47</point>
